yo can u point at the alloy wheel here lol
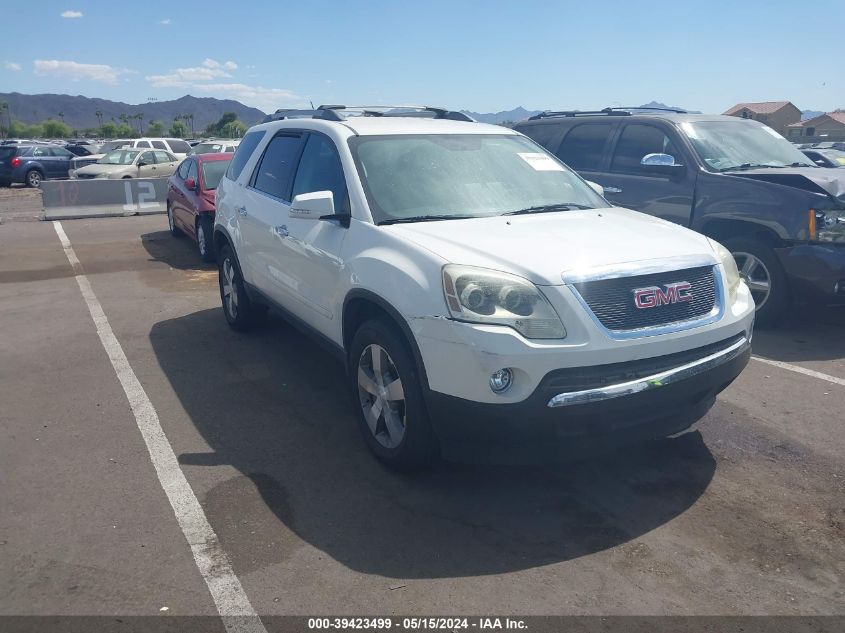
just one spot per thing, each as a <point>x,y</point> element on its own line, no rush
<point>230,290</point>
<point>381,396</point>
<point>755,274</point>
<point>34,179</point>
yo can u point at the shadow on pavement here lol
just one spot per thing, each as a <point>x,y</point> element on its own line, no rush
<point>272,405</point>
<point>176,252</point>
<point>804,333</point>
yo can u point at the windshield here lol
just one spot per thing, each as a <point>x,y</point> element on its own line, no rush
<point>120,157</point>
<point>212,172</point>
<point>209,148</point>
<point>725,145</point>
<point>112,145</point>
<point>406,176</point>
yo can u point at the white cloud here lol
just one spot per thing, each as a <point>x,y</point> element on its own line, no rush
<point>211,63</point>
<point>266,99</point>
<point>206,79</point>
<point>72,14</point>
<point>181,77</point>
<point>76,71</point>
<point>12,66</point>
<point>165,22</point>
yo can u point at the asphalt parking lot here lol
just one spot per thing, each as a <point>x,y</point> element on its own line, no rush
<point>745,515</point>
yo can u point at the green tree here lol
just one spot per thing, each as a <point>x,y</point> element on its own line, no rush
<point>56,129</point>
<point>155,128</point>
<point>108,130</point>
<point>178,129</point>
<point>233,129</point>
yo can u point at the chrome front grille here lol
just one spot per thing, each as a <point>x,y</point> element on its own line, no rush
<point>612,301</point>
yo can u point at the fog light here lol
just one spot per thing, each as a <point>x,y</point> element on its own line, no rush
<point>501,380</point>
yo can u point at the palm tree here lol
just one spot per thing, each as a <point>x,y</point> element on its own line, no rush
<point>3,128</point>
<point>124,118</point>
<point>62,116</point>
<point>191,117</point>
<point>99,115</point>
<point>140,118</point>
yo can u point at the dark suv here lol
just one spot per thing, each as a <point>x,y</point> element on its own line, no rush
<point>733,179</point>
<point>30,164</point>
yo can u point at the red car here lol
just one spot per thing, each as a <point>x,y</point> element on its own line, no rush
<point>190,199</point>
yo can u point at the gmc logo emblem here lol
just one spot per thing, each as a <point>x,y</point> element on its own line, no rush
<point>653,296</point>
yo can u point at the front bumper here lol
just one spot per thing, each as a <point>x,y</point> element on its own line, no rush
<point>583,410</point>
<point>816,271</point>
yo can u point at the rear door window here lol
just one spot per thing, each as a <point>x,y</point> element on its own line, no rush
<point>244,153</point>
<point>159,145</point>
<point>142,144</point>
<point>636,141</point>
<point>583,148</point>
<point>275,170</point>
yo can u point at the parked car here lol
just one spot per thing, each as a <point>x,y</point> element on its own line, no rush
<point>32,164</point>
<point>175,146</point>
<point>487,302</point>
<point>130,163</point>
<point>839,145</point>
<point>82,149</point>
<point>826,157</point>
<point>190,199</point>
<point>215,146</point>
<point>734,180</point>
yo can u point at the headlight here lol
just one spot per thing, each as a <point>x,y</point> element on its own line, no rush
<point>480,295</point>
<point>827,225</point>
<point>729,264</point>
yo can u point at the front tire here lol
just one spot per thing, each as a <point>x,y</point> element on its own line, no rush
<point>34,178</point>
<point>388,399</point>
<point>760,268</point>
<point>205,226</point>
<point>241,312</point>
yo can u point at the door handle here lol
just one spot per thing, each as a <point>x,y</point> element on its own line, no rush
<point>281,231</point>
<point>241,210</point>
<point>612,190</point>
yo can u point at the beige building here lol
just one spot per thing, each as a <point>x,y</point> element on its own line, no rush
<point>778,115</point>
<point>826,127</point>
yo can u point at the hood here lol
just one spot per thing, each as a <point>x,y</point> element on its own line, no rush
<point>824,180</point>
<point>543,246</point>
<point>102,169</point>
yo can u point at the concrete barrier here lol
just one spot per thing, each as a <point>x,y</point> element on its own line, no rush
<point>67,199</point>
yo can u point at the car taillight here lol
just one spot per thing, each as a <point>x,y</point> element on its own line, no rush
<point>16,161</point>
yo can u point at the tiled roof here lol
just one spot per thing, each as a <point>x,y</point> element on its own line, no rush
<point>763,107</point>
<point>839,117</point>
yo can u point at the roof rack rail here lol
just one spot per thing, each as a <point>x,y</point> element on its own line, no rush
<point>337,112</point>
<point>403,111</point>
<point>606,111</point>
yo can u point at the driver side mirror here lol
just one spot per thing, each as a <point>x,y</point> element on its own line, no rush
<point>142,163</point>
<point>663,164</point>
<point>191,184</point>
<point>317,205</point>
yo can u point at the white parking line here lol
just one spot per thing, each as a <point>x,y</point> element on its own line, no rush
<point>802,370</point>
<point>229,596</point>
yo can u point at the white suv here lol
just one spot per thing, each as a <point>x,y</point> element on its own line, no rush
<point>488,303</point>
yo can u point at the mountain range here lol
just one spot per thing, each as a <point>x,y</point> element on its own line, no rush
<point>80,112</point>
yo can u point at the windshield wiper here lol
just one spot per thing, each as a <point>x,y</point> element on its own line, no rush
<point>752,166</point>
<point>548,208</point>
<point>802,165</point>
<point>426,218</point>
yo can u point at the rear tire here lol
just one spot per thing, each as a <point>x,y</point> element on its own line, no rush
<point>760,268</point>
<point>387,395</point>
<point>34,178</point>
<point>240,311</point>
<point>205,245</point>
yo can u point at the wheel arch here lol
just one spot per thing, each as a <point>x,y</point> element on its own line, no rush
<point>360,305</point>
<point>722,229</point>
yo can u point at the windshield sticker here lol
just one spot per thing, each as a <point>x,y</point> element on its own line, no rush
<point>540,161</point>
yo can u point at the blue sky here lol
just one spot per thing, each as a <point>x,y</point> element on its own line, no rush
<point>482,56</point>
